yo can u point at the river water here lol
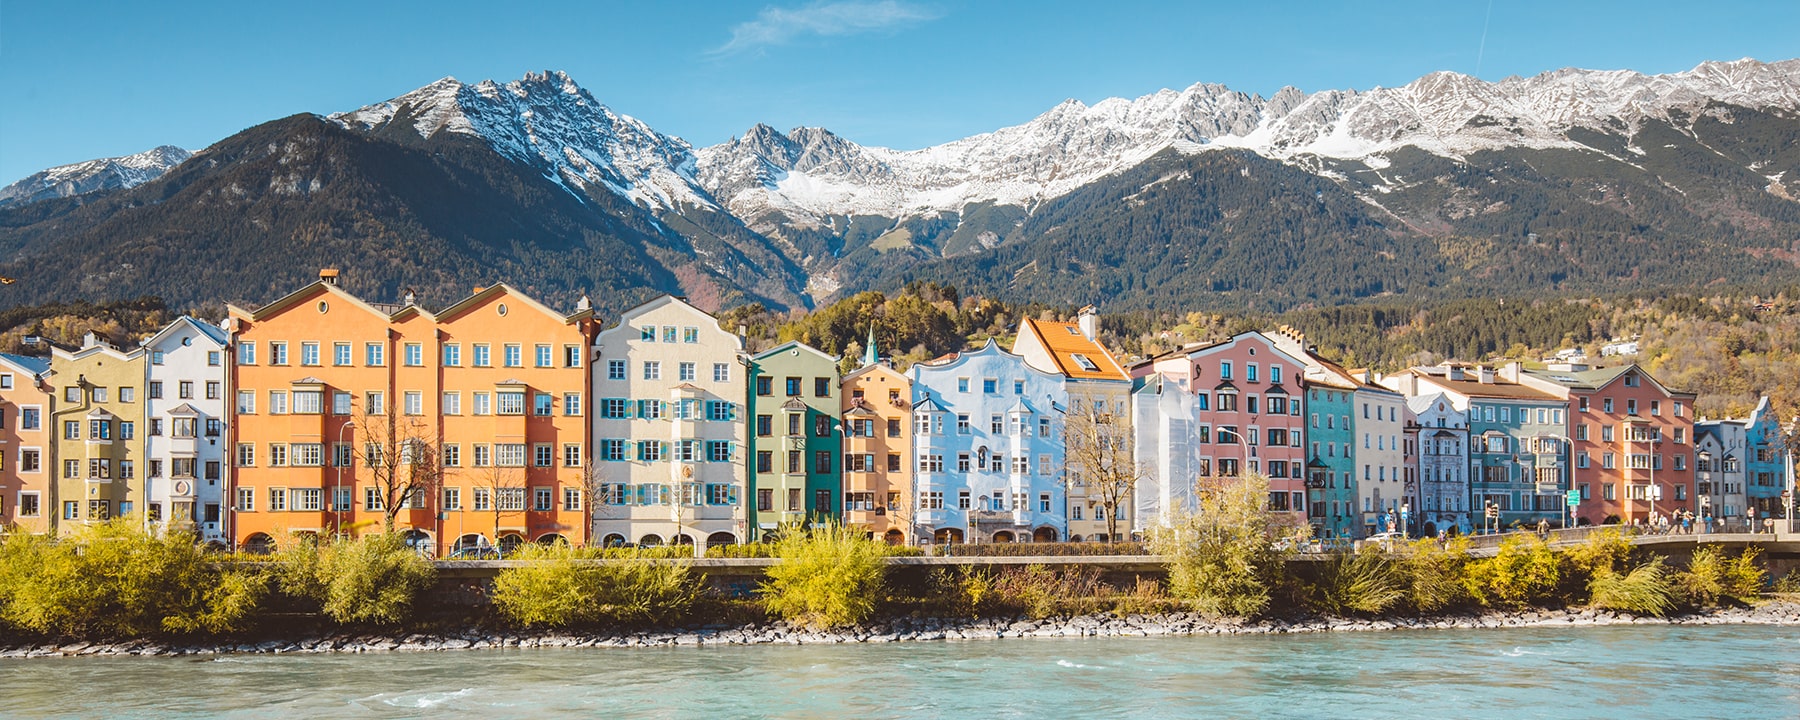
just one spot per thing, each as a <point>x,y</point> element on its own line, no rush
<point>1732,672</point>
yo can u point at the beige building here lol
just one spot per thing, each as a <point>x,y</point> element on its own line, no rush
<point>96,418</point>
<point>669,428</point>
<point>1099,395</point>
<point>878,492</point>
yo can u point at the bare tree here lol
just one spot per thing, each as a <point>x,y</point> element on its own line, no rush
<point>400,456</point>
<point>505,488</point>
<point>1100,460</point>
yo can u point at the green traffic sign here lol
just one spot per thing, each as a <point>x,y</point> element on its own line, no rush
<point>1574,498</point>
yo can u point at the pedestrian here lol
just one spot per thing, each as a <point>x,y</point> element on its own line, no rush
<point>1750,518</point>
<point>1706,522</point>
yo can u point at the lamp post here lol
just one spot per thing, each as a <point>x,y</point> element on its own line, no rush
<point>337,519</point>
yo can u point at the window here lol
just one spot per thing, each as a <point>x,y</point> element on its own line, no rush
<point>340,354</point>
<point>542,499</point>
<point>649,450</point>
<point>685,371</point>
<point>615,369</point>
<point>278,354</point>
<point>543,404</point>
<point>278,455</point>
<point>719,411</point>
<point>509,454</point>
<point>246,353</point>
<point>510,402</point>
<point>246,455</point>
<point>822,462</point>
<point>212,391</point>
<point>483,499</point>
<point>30,460</point>
<point>156,389</point>
<point>71,429</point>
<point>451,455</point>
<point>309,402</point>
<point>483,357</point>
<point>650,409</point>
<point>1224,369</point>
<point>30,418</point>
<point>100,393</point>
<point>542,455</point>
<point>821,387</point>
<point>541,355</point>
<point>668,333</point>
<point>647,333</point>
<point>414,402</point>
<point>612,450</point>
<point>246,499</point>
<point>309,353</point>
<point>572,356</point>
<point>375,354</point>
<point>572,404</point>
<point>1250,372</point>
<point>375,403</point>
<point>652,370</point>
<point>415,355</point>
<point>792,386</point>
<point>990,386</point>
<point>372,500</point>
<point>571,499</point>
<point>722,372</point>
<point>512,355</point>
<point>452,355</point>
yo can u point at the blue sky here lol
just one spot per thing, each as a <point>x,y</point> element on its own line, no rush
<point>89,79</point>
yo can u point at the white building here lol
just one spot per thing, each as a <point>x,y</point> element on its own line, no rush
<point>1720,457</point>
<point>1377,422</point>
<point>988,446</point>
<point>669,428</point>
<point>1439,463</point>
<point>1164,416</point>
<point>185,443</point>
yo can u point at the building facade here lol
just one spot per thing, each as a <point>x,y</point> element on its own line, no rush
<point>1438,435</point>
<point>1099,411</point>
<point>1248,418</point>
<point>186,440</point>
<point>1631,440</point>
<point>670,433</point>
<point>96,419</point>
<point>795,441</point>
<point>877,467</point>
<point>1720,448</point>
<point>28,500</point>
<point>1377,423</point>
<point>988,448</point>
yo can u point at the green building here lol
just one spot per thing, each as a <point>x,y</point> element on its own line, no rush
<point>794,438</point>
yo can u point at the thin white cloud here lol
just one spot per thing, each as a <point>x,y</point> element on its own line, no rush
<point>775,26</point>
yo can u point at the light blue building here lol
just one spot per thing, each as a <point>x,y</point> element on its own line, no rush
<point>988,448</point>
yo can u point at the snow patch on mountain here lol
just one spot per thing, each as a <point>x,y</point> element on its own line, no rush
<point>549,122</point>
<point>94,175</point>
<point>809,175</point>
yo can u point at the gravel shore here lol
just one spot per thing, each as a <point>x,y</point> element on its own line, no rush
<point>914,630</point>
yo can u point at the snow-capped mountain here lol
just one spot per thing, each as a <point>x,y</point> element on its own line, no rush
<point>809,173</point>
<point>94,175</point>
<point>547,121</point>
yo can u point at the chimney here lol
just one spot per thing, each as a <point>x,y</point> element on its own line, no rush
<point>478,290</point>
<point>1089,322</point>
<point>328,276</point>
<point>411,297</point>
<point>1453,372</point>
<point>1485,375</point>
<point>1510,372</point>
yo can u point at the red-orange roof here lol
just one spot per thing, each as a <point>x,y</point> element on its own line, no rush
<point>1065,342</point>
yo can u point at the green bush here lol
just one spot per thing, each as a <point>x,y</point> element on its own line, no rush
<point>829,576</point>
<point>1645,591</point>
<point>1039,592</point>
<point>1366,582</point>
<point>116,579</point>
<point>966,591</point>
<point>1223,560</point>
<point>1711,578</point>
<point>1433,574</point>
<point>560,586</point>
<point>371,580</point>
<point>1789,584</point>
<point>1524,572</point>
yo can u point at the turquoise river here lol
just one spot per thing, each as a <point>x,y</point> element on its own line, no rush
<point>1734,672</point>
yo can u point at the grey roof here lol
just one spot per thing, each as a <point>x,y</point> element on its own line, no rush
<point>36,365</point>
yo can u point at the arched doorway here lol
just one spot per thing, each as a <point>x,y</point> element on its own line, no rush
<point>552,539</point>
<point>894,537</point>
<point>1044,534</point>
<point>1074,538</point>
<point>259,544</point>
<point>650,540</point>
<point>470,541</point>
<point>420,542</point>
<point>510,542</point>
<point>947,536</point>
<point>1004,536</point>
<point>612,540</point>
<point>720,538</point>
<point>684,540</point>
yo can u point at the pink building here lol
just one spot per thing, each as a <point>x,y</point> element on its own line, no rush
<point>1249,418</point>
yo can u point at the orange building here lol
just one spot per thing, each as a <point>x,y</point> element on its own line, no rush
<point>877,445</point>
<point>1631,439</point>
<point>337,398</point>
<point>27,480</point>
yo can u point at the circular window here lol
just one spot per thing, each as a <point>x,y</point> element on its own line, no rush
<point>323,307</point>
<point>187,342</point>
<point>501,309</point>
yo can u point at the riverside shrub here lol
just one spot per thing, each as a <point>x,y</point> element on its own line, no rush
<point>1223,560</point>
<point>560,586</point>
<point>1524,572</point>
<point>371,580</point>
<point>1643,591</point>
<point>117,580</point>
<point>829,576</point>
<point>1711,579</point>
<point>1433,574</point>
<point>1366,582</point>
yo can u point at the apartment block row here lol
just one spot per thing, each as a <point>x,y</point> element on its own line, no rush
<point>498,420</point>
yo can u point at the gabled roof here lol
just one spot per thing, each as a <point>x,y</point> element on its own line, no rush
<point>930,404</point>
<point>625,319</point>
<point>794,345</point>
<point>1499,389</point>
<point>184,409</point>
<point>877,367</point>
<point>27,364</point>
<point>859,407</point>
<point>211,331</point>
<point>476,299</point>
<point>1065,341</point>
<point>1599,378</point>
<point>310,289</point>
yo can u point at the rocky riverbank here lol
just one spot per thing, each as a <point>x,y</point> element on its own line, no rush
<point>1781,612</point>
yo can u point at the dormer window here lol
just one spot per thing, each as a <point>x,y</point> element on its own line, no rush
<point>1085,363</point>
